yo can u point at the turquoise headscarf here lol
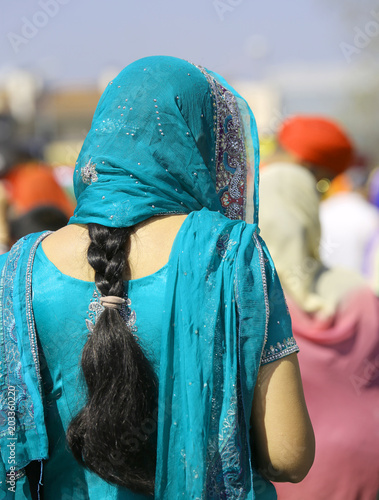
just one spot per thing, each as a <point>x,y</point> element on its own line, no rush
<point>167,137</point>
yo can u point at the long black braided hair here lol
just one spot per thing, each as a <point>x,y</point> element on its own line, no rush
<point>105,436</point>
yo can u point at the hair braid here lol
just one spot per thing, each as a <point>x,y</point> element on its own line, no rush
<point>106,435</point>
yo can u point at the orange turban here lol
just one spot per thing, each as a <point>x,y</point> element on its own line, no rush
<point>33,184</point>
<point>317,140</point>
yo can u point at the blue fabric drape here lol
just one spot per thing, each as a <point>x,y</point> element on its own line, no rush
<point>210,360</point>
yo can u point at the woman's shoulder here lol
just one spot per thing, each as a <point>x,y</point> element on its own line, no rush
<point>22,248</point>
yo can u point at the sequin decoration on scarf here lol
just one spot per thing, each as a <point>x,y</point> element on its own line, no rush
<point>88,173</point>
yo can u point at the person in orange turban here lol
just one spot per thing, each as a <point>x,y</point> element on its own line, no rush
<point>35,201</point>
<point>33,184</point>
<point>318,144</point>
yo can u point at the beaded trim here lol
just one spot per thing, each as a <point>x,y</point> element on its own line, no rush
<point>279,350</point>
<point>95,308</point>
<point>230,150</point>
<point>227,469</point>
<point>29,309</point>
<point>264,283</point>
<point>288,346</point>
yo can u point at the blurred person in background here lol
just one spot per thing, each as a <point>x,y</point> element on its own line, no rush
<point>342,211</point>
<point>320,145</point>
<point>316,143</point>
<point>335,319</point>
<point>371,253</point>
<point>8,157</point>
<point>189,386</point>
<point>40,218</point>
<point>31,199</point>
<point>35,201</point>
<point>31,184</point>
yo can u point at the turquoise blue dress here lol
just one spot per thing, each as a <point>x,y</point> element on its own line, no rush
<point>65,309</point>
<point>61,374</point>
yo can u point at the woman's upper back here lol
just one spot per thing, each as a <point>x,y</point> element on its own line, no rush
<point>150,247</point>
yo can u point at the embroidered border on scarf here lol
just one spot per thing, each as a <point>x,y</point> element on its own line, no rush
<point>230,150</point>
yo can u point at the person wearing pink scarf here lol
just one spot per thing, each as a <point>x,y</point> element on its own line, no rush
<point>335,319</point>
